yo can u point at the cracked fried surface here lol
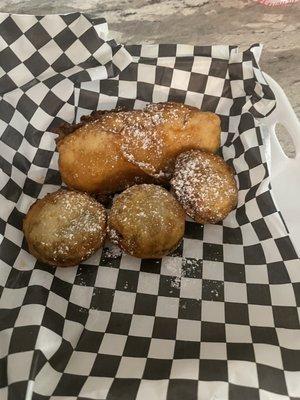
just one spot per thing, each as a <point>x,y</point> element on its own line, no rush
<point>146,221</point>
<point>109,151</point>
<point>65,228</point>
<point>204,185</point>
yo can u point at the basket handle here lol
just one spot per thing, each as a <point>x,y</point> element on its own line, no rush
<point>284,114</point>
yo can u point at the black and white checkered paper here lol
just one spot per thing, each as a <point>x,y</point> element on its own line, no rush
<point>218,318</point>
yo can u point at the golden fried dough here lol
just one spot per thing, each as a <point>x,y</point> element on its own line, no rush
<point>90,159</point>
<point>109,151</point>
<point>204,185</point>
<point>153,137</point>
<point>146,221</point>
<point>64,228</point>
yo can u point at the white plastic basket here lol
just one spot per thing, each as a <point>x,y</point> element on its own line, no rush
<point>284,171</point>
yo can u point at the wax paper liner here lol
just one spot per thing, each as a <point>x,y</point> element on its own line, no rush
<point>216,319</point>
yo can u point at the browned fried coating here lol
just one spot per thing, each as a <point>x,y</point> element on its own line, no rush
<point>146,221</point>
<point>90,158</point>
<point>109,151</point>
<point>204,185</point>
<point>152,138</point>
<point>65,228</point>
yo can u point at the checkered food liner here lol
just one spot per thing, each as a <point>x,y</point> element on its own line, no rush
<point>216,319</point>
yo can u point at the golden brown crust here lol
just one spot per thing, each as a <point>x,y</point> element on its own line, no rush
<point>153,138</point>
<point>90,160</point>
<point>64,228</point>
<point>67,128</point>
<point>146,221</point>
<point>111,150</point>
<point>205,186</point>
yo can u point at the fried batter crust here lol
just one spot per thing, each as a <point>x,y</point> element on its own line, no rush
<point>90,159</point>
<point>109,151</point>
<point>153,137</point>
<point>64,228</point>
<point>205,186</point>
<point>146,221</point>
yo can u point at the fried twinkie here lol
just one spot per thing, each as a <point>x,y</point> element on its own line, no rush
<point>205,186</point>
<point>64,228</point>
<point>110,151</point>
<point>146,221</point>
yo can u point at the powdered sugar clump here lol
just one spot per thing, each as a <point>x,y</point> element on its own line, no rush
<point>113,235</point>
<point>113,251</point>
<point>175,282</point>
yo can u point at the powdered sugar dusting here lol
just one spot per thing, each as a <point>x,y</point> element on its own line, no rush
<point>153,209</point>
<point>143,141</point>
<point>71,220</point>
<point>113,235</point>
<point>172,265</point>
<point>199,184</point>
<point>190,267</point>
<point>83,209</point>
<point>141,164</point>
<point>146,216</point>
<point>175,282</point>
<point>217,290</point>
<point>113,251</point>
